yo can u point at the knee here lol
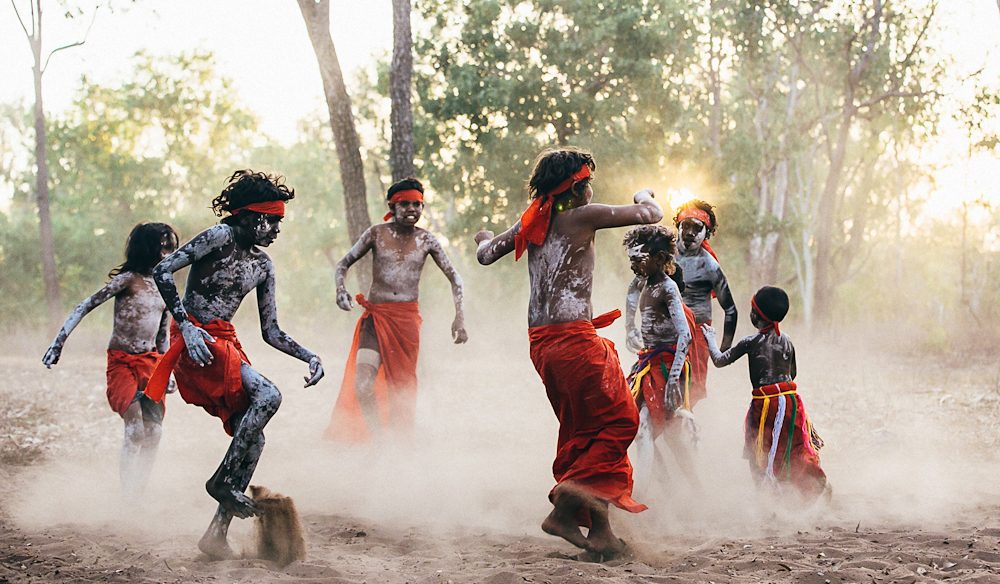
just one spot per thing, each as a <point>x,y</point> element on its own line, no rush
<point>135,433</point>
<point>153,434</point>
<point>270,396</point>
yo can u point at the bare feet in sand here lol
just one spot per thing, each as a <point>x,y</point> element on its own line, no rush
<point>235,502</point>
<point>215,546</point>
<point>562,521</point>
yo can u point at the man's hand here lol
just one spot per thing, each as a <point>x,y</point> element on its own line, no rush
<point>484,235</point>
<point>709,332</point>
<point>315,372</point>
<point>344,300</point>
<point>458,333</point>
<point>52,355</point>
<point>195,338</point>
<point>643,195</point>
<point>672,398</point>
<point>633,340</point>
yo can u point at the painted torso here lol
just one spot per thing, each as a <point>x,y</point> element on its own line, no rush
<point>138,313</point>
<point>218,282</point>
<point>702,275</point>
<point>561,271</point>
<point>398,257</point>
<point>658,305</point>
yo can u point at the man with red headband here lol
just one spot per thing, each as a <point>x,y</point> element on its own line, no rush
<point>779,441</point>
<point>205,356</point>
<point>583,379</point>
<point>380,381</point>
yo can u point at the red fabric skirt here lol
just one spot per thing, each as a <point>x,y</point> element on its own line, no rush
<point>648,384</point>
<point>780,442</point>
<point>598,418</point>
<point>217,387</point>
<point>698,359</point>
<point>127,374</point>
<point>397,326</point>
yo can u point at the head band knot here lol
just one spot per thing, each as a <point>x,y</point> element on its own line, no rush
<point>536,218</point>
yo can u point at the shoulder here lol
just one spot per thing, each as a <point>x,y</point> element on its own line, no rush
<point>123,280</point>
<point>670,287</point>
<point>426,237</point>
<point>220,234</point>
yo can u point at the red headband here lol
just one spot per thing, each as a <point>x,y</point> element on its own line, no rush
<point>536,218</point>
<point>694,213</point>
<point>407,195</point>
<point>267,208</point>
<point>771,324</point>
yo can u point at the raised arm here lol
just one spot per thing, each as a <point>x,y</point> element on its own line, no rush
<point>211,240</point>
<point>267,309</point>
<point>362,246</point>
<point>493,248</point>
<point>458,333</point>
<point>108,291</point>
<point>725,298</point>
<point>645,210</point>
<point>720,358</point>
<point>633,337</point>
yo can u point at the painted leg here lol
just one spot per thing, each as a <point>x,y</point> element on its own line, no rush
<point>224,484</point>
<point>368,363</point>
<point>645,447</point>
<point>129,465</point>
<point>152,420</point>
<point>681,447</point>
<point>215,542</point>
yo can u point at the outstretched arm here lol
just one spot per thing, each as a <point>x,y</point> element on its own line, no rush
<point>441,259</point>
<point>273,335</point>
<point>493,248</point>
<point>725,298</point>
<point>110,290</point>
<point>633,337</point>
<point>645,210</point>
<point>209,241</point>
<point>358,251</point>
<point>720,358</point>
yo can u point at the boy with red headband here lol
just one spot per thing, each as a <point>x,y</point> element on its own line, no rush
<point>779,441</point>
<point>380,381</point>
<point>703,280</point>
<point>138,339</point>
<point>582,376</point>
<point>205,356</point>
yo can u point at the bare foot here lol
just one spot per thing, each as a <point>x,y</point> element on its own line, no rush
<point>557,525</point>
<point>215,546</point>
<point>609,548</point>
<point>234,502</point>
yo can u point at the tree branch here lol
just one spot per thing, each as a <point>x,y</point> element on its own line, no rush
<point>25,28</point>
<point>71,45</point>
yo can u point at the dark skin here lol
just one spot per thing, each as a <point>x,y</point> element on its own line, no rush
<point>702,276</point>
<point>561,274</point>
<point>771,357</point>
<point>227,263</point>
<point>399,250</point>
<point>140,326</point>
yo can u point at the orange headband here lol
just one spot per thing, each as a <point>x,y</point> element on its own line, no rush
<point>771,324</point>
<point>536,218</point>
<point>407,195</point>
<point>695,213</point>
<point>267,208</point>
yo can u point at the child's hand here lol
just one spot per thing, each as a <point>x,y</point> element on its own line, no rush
<point>196,339</point>
<point>171,384</point>
<point>315,372</point>
<point>633,340</point>
<point>483,235</point>
<point>672,398</point>
<point>642,195</point>
<point>344,299</point>
<point>458,333</point>
<point>52,355</point>
<point>708,331</point>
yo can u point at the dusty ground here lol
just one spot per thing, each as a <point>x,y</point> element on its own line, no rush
<point>910,452</point>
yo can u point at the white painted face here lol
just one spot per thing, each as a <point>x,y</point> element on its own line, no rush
<point>266,230</point>
<point>693,233</point>
<point>407,213</point>
<point>638,258</point>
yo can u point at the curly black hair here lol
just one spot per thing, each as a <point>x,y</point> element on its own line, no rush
<point>554,166</point>
<point>654,239</point>
<point>143,246</point>
<point>704,206</point>
<point>404,185</point>
<point>246,187</point>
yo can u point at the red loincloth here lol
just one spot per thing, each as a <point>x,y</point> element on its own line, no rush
<point>397,326</point>
<point>217,387</point>
<point>648,383</point>
<point>597,416</point>
<point>127,374</point>
<point>698,359</point>
<point>795,458</point>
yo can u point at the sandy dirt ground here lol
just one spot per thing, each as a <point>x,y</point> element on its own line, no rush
<point>911,454</point>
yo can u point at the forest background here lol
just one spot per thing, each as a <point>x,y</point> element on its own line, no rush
<point>849,145</point>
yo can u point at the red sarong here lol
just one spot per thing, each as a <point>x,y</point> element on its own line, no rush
<point>777,411</point>
<point>397,326</point>
<point>597,416</point>
<point>128,374</point>
<point>648,384</point>
<point>698,359</point>
<point>217,387</point>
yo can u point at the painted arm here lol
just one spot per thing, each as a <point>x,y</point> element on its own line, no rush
<point>209,241</point>
<point>110,290</point>
<point>267,308</point>
<point>362,246</point>
<point>720,358</point>
<point>725,298</point>
<point>493,248</point>
<point>633,337</point>
<point>675,304</point>
<point>644,211</point>
<point>458,333</point>
<point>793,370</point>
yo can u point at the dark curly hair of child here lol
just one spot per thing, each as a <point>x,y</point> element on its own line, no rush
<point>554,166</point>
<point>654,239</point>
<point>246,187</point>
<point>143,248</point>
<point>703,206</point>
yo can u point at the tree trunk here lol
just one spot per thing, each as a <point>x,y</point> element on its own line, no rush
<point>826,218</point>
<point>400,74</point>
<point>47,242</point>
<point>316,14</point>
